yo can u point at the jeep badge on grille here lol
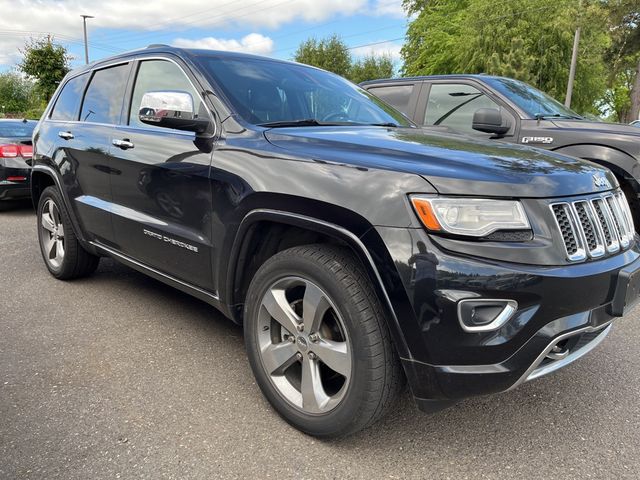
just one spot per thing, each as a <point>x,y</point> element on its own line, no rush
<point>601,181</point>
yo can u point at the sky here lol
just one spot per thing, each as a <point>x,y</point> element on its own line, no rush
<point>272,28</point>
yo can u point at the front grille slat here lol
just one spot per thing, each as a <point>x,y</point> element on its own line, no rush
<point>606,223</point>
<point>594,226</point>
<point>568,228</point>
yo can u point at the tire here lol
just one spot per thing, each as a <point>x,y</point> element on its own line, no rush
<point>62,253</point>
<point>355,375</point>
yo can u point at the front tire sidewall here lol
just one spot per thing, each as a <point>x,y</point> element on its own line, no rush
<point>341,419</point>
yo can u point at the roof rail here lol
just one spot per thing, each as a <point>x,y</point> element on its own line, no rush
<point>156,45</point>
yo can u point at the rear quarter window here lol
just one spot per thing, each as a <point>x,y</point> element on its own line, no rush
<point>68,102</point>
<point>397,96</point>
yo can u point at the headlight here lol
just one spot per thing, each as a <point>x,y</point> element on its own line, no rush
<point>475,217</point>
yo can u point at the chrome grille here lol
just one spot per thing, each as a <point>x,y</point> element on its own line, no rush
<point>594,226</point>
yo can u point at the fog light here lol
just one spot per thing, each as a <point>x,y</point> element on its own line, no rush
<point>485,315</point>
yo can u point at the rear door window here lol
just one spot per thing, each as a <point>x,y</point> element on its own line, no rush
<point>103,100</point>
<point>68,102</point>
<point>397,96</point>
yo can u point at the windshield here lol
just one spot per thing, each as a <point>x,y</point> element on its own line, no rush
<point>531,100</point>
<point>16,129</point>
<point>272,93</point>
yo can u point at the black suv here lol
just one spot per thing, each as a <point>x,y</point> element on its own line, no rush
<point>356,249</point>
<point>505,109</point>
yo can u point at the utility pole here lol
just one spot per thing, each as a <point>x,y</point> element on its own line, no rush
<point>86,44</point>
<point>574,61</point>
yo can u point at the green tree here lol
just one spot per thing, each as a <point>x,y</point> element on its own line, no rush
<point>623,97</point>
<point>332,54</point>
<point>45,62</point>
<point>530,40</point>
<point>329,54</point>
<point>371,67</point>
<point>16,94</point>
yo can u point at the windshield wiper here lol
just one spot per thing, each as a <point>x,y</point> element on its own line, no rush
<point>387,124</point>
<point>542,116</point>
<point>312,122</point>
<point>307,122</point>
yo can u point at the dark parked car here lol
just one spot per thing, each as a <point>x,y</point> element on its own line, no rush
<point>15,152</point>
<point>504,109</point>
<point>356,249</point>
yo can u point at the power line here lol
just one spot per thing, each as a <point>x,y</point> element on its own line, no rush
<point>222,17</point>
<point>66,38</point>
<point>375,43</point>
<point>171,20</point>
<point>358,34</point>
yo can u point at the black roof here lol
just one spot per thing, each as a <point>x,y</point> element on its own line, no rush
<point>452,76</point>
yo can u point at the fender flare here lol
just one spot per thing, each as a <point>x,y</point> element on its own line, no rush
<point>51,173</point>
<point>329,229</point>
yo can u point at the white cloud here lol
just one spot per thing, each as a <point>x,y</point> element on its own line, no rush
<point>252,43</point>
<point>141,20</point>
<point>386,48</point>
<point>388,8</point>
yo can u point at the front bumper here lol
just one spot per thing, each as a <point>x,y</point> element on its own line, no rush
<point>563,313</point>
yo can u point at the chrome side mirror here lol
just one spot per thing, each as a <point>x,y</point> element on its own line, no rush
<point>171,109</point>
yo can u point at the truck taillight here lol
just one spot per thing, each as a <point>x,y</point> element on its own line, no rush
<point>9,151</point>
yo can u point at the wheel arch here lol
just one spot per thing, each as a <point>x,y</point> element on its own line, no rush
<point>306,230</point>
<point>624,166</point>
<point>43,176</point>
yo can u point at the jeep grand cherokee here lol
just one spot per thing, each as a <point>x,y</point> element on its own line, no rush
<point>357,250</point>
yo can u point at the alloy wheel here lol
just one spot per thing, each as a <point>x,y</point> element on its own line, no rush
<point>52,234</point>
<point>304,346</point>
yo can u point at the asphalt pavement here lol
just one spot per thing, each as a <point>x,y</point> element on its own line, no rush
<point>120,376</point>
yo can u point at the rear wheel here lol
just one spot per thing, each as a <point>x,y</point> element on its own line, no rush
<point>318,343</point>
<point>62,253</point>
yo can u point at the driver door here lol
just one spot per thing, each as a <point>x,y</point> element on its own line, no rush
<point>162,190</point>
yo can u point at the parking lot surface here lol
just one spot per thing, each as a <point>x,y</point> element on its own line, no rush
<point>119,376</point>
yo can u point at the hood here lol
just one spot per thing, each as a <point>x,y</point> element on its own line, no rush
<point>453,164</point>
<point>602,127</point>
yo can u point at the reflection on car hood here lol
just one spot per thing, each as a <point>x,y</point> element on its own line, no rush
<point>453,164</point>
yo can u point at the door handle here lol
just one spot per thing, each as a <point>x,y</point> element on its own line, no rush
<point>65,135</point>
<point>124,144</point>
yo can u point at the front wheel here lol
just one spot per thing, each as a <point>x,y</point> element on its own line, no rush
<point>318,342</point>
